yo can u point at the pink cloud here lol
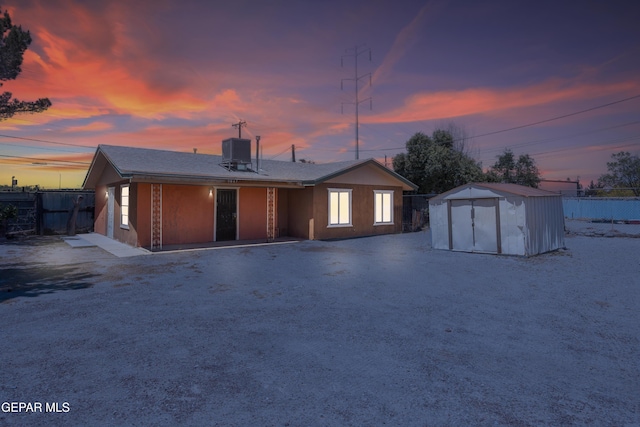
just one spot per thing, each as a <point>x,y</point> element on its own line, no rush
<point>450,104</point>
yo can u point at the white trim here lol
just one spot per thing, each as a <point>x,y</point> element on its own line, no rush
<point>339,212</point>
<point>382,211</point>
<point>111,216</point>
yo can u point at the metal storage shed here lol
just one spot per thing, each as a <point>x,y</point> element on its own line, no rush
<point>497,218</point>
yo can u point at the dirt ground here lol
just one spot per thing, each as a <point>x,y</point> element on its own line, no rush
<point>371,331</point>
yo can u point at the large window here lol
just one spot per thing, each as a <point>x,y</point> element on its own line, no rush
<point>383,207</point>
<point>124,206</point>
<point>339,207</point>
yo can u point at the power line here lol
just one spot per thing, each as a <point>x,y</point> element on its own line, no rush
<point>280,153</point>
<point>29,147</point>
<point>594,147</point>
<point>47,142</point>
<point>45,160</point>
<point>572,135</point>
<point>526,125</point>
<point>556,118</point>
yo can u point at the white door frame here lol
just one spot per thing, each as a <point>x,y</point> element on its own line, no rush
<point>111,195</point>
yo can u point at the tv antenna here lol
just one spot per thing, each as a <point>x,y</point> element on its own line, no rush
<point>239,126</point>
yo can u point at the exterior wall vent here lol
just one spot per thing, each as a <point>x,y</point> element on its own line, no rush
<point>236,154</point>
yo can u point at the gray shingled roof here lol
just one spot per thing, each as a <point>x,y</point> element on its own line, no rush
<point>131,161</point>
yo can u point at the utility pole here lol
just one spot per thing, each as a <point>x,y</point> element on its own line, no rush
<point>239,126</point>
<point>293,153</point>
<point>355,53</point>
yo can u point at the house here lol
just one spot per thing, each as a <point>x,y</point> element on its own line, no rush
<point>497,218</point>
<point>156,198</point>
<point>566,188</point>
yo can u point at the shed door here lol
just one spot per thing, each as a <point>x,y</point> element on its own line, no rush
<point>226,214</point>
<point>461,225</point>
<point>485,231</point>
<point>474,225</point>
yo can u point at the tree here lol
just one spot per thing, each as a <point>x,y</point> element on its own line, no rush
<point>523,171</point>
<point>593,189</point>
<point>434,164</point>
<point>624,172</point>
<point>6,213</point>
<point>14,41</point>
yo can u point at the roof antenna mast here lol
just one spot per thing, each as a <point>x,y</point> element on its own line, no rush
<point>355,54</point>
<point>239,126</point>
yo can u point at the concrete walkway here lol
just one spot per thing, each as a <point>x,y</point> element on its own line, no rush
<point>122,250</point>
<point>114,247</point>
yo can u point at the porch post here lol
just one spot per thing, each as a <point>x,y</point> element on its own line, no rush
<point>271,214</point>
<point>156,216</point>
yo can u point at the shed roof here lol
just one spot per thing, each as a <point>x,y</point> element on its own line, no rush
<point>466,191</point>
<point>132,162</point>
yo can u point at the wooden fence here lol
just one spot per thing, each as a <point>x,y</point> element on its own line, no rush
<point>49,211</point>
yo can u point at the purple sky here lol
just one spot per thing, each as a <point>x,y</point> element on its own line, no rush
<point>176,74</point>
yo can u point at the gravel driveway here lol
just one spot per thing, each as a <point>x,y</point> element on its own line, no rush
<point>372,331</point>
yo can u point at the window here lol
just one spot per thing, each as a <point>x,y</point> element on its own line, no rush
<point>383,207</point>
<point>339,207</point>
<point>124,206</point>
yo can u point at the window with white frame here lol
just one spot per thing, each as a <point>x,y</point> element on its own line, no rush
<point>339,207</point>
<point>383,207</point>
<point>124,206</point>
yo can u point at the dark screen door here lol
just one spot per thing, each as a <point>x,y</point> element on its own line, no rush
<point>226,215</point>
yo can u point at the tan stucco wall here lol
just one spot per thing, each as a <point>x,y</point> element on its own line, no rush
<point>252,213</point>
<point>362,214</point>
<point>283,212</point>
<point>128,236</point>
<point>100,220</point>
<point>142,214</point>
<point>187,214</point>
<point>366,175</point>
<point>300,212</point>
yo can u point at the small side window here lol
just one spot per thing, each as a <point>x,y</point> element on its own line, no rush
<point>383,207</point>
<point>124,206</point>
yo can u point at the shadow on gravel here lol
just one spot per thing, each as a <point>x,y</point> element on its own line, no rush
<point>35,281</point>
<point>29,240</point>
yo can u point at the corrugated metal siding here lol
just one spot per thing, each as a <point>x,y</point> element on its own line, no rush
<point>545,225</point>
<point>439,224</point>
<point>512,225</point>
<point>617,209</point>
<point>528,225</point>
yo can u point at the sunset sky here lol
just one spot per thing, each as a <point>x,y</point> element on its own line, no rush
<point>175,75</point>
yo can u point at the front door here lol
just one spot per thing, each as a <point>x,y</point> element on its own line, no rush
<point>111,195</point>
<point>226,214</point>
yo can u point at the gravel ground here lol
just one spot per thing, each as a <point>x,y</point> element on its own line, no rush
<point>371,331</point>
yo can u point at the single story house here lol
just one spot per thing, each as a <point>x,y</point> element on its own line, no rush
<point>497,218</point>
<point>566,188</point>
<point>155,198</point>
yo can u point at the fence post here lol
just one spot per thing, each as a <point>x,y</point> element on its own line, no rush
<point>71,224</point>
